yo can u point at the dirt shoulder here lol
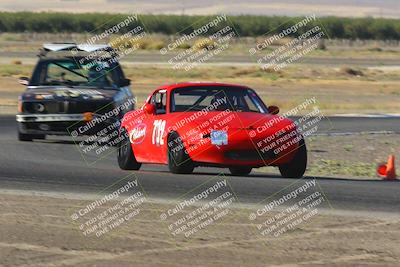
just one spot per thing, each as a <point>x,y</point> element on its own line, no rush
<point>38,231</point>
<point>353,156</point>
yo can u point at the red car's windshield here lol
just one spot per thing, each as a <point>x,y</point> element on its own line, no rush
<point>218,98</point>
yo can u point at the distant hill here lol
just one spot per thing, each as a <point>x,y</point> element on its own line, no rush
<point>346,8</point>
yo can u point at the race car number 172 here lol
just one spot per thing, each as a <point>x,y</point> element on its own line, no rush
<point>158,132</point>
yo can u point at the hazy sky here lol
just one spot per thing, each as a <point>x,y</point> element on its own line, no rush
<point>358,8</point>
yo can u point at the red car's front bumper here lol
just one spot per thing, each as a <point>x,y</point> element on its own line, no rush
<point>243,150</point>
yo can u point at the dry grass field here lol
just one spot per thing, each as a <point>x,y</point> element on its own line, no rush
<point>337,90</point>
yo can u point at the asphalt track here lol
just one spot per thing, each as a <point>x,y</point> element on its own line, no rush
<point>56,166</point>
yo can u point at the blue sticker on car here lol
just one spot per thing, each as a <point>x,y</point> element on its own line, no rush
<point>219,137</point>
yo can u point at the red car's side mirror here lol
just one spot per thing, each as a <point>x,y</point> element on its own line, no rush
<point>273,110</point>
<point>149,108</point>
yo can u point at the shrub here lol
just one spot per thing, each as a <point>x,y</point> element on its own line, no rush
<point>205,43</point>
<point>351,71</point>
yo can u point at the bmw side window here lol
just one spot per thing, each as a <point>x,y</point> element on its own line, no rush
<point>159,100</point>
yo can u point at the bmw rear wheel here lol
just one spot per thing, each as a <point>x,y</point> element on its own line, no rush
<point>178,159</point>
<point>30,137</point>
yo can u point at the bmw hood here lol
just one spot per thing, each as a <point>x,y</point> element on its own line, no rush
<point>67,93</point>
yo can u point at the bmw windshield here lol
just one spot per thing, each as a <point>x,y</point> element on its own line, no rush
<point>71,72</point>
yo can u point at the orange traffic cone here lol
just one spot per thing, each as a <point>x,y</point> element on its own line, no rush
<point>387,171</point>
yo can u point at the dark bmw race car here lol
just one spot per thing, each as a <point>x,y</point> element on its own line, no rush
<point>70,87</point>
<point>211,124</point>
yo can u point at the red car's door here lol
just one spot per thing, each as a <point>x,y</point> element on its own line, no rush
<point>152,148</point>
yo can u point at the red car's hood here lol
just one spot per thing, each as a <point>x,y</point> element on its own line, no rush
<point>252,120</point>
<point>240,120</point>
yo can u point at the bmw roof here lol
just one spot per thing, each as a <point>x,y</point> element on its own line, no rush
<point>55,47</point>
<point>75,50</point>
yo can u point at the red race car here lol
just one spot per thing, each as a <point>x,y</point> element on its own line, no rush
<point>188,125</point>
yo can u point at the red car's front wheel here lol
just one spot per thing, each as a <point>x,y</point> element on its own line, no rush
<point>178,159</point>
<point>126,158</point>
<point>240,171</point>
<point>297,166</point>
